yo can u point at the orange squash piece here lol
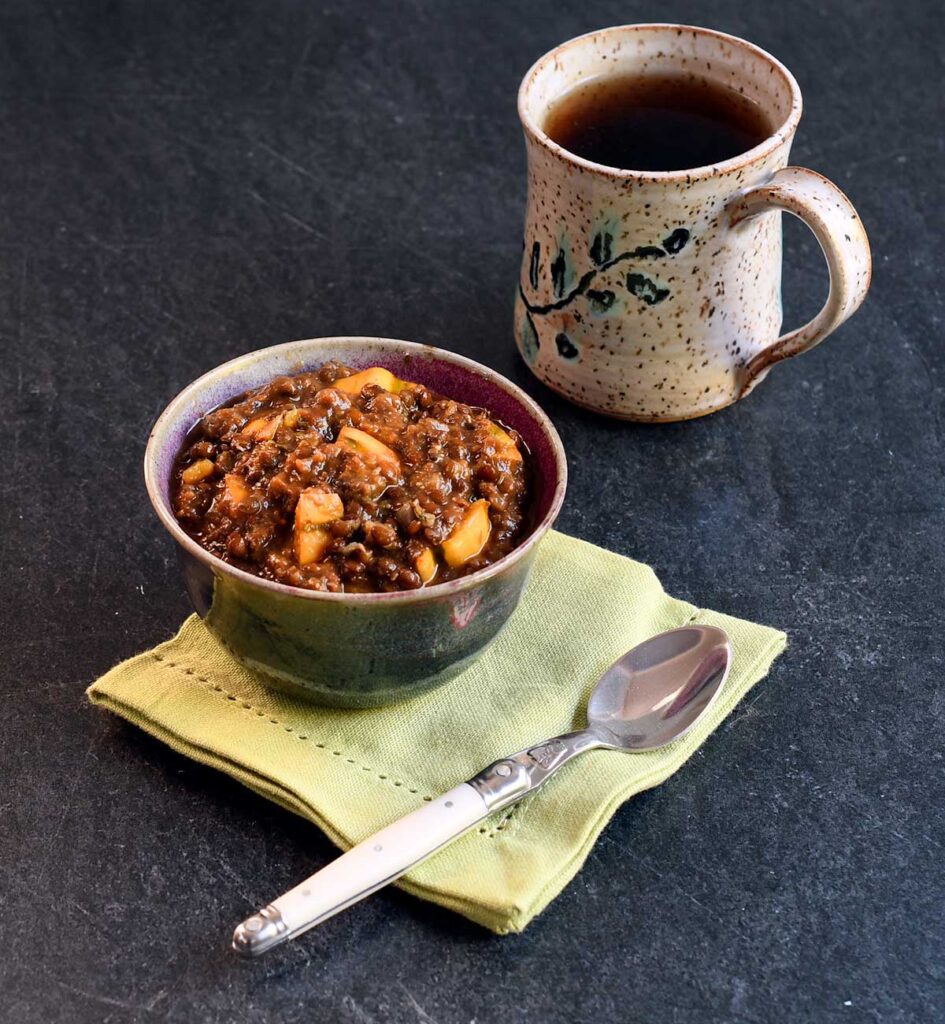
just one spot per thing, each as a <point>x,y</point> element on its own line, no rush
<point>315,509</point>
<point>425,564</point>
<point>369,448</point>
<point>236,491</point>
<point>262,428</point>
<point>197,471</point>
<point>311,545</point>
<point>374,375</point>
<point>234,487</point>
<point>469,536</point>
<point>507,447</point>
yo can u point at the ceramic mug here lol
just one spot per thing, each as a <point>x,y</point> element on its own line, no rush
<point>657,295</point>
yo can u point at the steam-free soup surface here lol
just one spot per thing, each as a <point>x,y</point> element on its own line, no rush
<point>354,481</point>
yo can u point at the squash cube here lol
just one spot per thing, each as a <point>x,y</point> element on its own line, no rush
<point>425,565</point>
<point>469,536</point>
<point>507,447</point>
<point>384,379</point>
<point>262,428</point>
<point>235,489</point>
<point>315,509</point>
<point>369,447</point>
<point>197,471</point>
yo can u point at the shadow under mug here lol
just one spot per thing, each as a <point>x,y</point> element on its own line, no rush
<point>656,296</point>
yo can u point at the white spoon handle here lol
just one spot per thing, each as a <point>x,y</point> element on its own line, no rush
<point>364,869</point>
<point>393,851</point>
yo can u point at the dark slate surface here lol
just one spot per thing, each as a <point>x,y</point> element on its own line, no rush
<point>182,182</point>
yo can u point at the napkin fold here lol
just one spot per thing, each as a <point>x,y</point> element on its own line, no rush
<point>352,772</point>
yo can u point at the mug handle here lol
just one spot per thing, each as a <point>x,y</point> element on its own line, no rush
<point>837,226</point>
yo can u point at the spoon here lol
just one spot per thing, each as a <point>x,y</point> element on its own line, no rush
<point>651,696</point>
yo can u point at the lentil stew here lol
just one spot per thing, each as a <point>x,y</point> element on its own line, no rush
<point>352,481</point>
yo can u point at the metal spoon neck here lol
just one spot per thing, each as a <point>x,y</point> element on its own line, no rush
<point>591,738</point>
<point>508,780</point>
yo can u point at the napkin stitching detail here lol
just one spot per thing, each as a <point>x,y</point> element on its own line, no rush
<point>245,705</point>
<point>491,833</point>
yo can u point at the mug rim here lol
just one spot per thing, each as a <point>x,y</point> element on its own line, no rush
<point>158,438</point>
<point>750,156</point>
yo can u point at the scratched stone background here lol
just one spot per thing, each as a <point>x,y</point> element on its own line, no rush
<point>182,182</point>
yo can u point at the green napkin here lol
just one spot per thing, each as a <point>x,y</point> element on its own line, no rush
<point>352,772</point>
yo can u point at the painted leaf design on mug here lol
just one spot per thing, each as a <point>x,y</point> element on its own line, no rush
<point>600,301</point>
<point>645,252</point>
<point>534,264</point>
<point>643,288</point>
<point>675,242</point>
<point>566,347</point>
<point>602,247</point>
<point>529,338</point>
<point>558,269</point>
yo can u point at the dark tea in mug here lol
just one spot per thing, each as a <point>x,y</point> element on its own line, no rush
<point>656,122</point>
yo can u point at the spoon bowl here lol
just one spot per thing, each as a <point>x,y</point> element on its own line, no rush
<point>657,691</point>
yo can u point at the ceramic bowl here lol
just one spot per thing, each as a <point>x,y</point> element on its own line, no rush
<point>358,650</point>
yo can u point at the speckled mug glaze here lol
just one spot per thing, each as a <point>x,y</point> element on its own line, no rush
<point>358,650</point>
<point>657,295</point>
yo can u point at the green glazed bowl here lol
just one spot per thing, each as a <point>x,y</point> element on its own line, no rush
<point>358,650</point>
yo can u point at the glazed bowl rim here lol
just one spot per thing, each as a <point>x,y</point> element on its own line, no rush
<point>689,174</point>
<point>158,437</point>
